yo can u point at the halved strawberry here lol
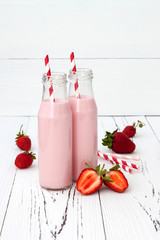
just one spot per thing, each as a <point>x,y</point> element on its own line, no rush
<point>90,179</point>
<point>119,182</point>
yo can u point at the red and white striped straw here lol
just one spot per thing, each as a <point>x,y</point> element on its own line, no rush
<point>112,160</point>
<point>128,164</point>
<point>119,161</point>
<point>48,72</point>
<point>73,65</point>
<point>121,156</point>
<point>125,168</point>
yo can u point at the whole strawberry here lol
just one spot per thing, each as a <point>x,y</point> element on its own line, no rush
<point>25,159</point>
<point>130,131</point>
<point>23,141</point>
<point>118,142</point>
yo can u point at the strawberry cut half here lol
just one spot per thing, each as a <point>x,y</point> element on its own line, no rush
<point>119,182</point>
<point>89,181</point>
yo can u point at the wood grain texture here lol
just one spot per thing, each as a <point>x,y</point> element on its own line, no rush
<point>145,187</point>
<point>155,125</point>
<point>120,86</point>
<point>30,212</point>
<point>126,29</point>
<point>9,127</point>
<point>129,211</point>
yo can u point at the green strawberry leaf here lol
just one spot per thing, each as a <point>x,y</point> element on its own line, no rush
<point>116,167</point>
<point>108,140</point>
<point>98,168</point>
<point>107,179</point>
<point>103,172</point>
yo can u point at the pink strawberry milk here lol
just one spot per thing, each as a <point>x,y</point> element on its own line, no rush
<point>55,135</point>
<point>84,121</point>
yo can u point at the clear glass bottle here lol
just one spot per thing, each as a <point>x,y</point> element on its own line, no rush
<point>84,121</point>
<point>55,135</point>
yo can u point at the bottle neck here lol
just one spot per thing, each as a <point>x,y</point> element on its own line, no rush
<point>84,78</point>
<point>58,81</point>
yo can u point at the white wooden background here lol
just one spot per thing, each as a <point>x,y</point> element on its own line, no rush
<point>119,40</point>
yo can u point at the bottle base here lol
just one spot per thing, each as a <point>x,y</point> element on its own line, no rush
<point>56,189</point>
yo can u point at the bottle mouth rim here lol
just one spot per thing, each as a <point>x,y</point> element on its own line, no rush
<point>55,78</point>
<point>82,74</point>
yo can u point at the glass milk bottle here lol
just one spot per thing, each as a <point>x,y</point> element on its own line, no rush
<point>55,135</point>
<point>84,121</point>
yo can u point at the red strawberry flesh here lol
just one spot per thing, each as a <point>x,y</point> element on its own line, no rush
<point>89,181</point>
<point>119,184</point>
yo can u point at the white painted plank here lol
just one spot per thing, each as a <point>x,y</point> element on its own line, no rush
<point>92,29</point>
<point>44,214</point>
<point>124,218</point>
<point>148,149</point>
<point>135,213</point>
<point>9,127</point>
<point>120,86</point>
<point>155,125</point>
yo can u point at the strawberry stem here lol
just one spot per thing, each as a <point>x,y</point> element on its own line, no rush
<point>20,133</point>
<point>107,179</point>
<point>103,167</point>
<point>21,128</point>
<point>101,171</point>
<point>116,167</point>
<point>138,124</point>
<point>89,166</point>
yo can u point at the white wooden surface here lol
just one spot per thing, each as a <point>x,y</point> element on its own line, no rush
<point>29,212</point>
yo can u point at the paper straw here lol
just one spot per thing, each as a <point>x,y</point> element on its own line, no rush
<point>48,72</point>
<point>118,161</point>
<point>128,164</point>
<point>73,65</point>
<point>104,156</point>
<point>121,156</point>
<point>125,168</point>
